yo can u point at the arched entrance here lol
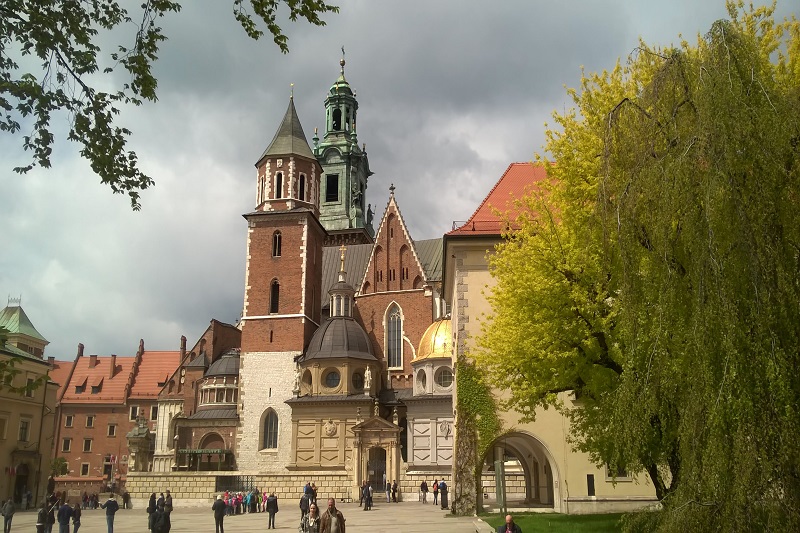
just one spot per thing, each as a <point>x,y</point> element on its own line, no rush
<point>376,468</point>
<point>529,474</point>
<point>21,485</point>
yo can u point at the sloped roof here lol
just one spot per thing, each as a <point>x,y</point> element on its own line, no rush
<point>339,337</point>
<point>113,390</point>
<point>154,368</point>
<point>430,255</point>
<point>226,365</point>
<point>59,373</point>
<point>517,178</point>
<point>214,414</point>
<point>14,319</point>
<point>356,257</point>
<point>289,139</point>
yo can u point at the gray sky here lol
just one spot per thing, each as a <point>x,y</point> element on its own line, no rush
<point>450,93</point>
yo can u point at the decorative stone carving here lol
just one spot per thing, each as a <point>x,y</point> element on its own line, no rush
<point>367,381</point>
<point>445,428</point>
<point>139,446</point>
<point>330,428</point>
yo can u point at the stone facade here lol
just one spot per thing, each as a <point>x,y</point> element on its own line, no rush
<point>267,381</point>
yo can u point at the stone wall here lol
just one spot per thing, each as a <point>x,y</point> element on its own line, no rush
<point>199,489</point>
<point>515,486</point>
<point>267,380</point>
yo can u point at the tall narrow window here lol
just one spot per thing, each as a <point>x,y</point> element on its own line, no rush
<point>302,187</point>
<point>332,187</point>
<point>394,337</point>
<point>337,119</point>
<point>274,295</point>
<point>271,430</point>
<point>279,185</point>
<point>276,244</point>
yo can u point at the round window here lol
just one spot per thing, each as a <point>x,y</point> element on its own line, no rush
<point>358,381</point>
<point>332,379</point>
<point>444,377</point>
<point>422,379</point>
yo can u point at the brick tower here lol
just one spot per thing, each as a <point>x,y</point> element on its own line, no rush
<point>281,298</point>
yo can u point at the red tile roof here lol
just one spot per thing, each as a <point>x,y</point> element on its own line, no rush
<point>60,374</point>
<point>113,389</point>
<point>155,368</point>
<point>515,182</point>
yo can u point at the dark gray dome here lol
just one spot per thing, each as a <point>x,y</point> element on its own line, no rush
<point>340,337</point>
<point>227,365</point>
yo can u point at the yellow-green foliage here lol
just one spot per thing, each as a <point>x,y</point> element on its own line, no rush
<point>657,274</point>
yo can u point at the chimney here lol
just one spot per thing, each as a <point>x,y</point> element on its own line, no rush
<point>80,349</point>
<point>113,366</point>
<point>92,361</point>
<point>51,361</point>
<point>183,347</point>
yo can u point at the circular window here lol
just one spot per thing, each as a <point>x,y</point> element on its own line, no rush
<point>358,381</point>
<point>332,379</point>
<point>444,377</point>
<point>422,379</point>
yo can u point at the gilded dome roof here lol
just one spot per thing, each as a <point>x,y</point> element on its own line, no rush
<point>339,337</point>
<point>437,341</point>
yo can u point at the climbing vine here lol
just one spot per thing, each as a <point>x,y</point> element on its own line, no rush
<point>476,403</point>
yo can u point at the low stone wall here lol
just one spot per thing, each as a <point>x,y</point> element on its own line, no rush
<point>199,489</point>
<point>410,482</point>
<point>515,486</point>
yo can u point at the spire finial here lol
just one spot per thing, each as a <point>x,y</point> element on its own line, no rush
<point>291,91</point>
<point>391,189</point>
<point>341,61</point>
<point>342,249</point>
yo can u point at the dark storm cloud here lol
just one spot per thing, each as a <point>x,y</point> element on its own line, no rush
<point>450,93</point>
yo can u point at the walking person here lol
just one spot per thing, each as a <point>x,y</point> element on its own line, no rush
<point>168,503</point>
<point>305,505</point>
<point>443,490</point>
<point>219,514</point>
<point>509,526</point>
<point>332,520</point>
<point>309,523</point>
<point>365,495</point>
<point>388,492</point>
<point>41,518</point>
<point>8,514</point>
<point>423,488</point>
<point>64,516</point>
<point>394,491</point>
<point>111,506</point>
<point>76,518</point>
<point>272,509</point>
<point>435,491</point>
<point>151,510</point>
<point>369,495</point>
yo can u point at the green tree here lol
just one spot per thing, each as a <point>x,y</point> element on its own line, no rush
<point>665,280</point>
<point>62,37</point>
<point>59,467</point>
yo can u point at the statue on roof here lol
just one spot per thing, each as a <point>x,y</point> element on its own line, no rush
<point>367,381</point>
<point>370,214</point>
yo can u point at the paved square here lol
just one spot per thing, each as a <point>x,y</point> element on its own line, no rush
<point>404,517</point>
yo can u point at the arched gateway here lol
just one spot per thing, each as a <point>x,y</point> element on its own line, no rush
<point>528,471</point>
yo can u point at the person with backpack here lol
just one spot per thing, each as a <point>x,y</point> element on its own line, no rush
<point>304,505</point>
<point>435,491</point>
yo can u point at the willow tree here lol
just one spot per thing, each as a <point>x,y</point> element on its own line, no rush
<point>665,279</point>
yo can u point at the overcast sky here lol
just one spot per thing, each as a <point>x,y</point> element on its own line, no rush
<point>450,93</point>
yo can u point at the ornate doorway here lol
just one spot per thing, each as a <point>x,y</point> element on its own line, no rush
<point>376,469</point>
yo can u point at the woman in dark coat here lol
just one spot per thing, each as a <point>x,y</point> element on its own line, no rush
<point>272,508</point>
<point>151,510</point>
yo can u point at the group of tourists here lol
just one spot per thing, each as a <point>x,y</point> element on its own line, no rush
<point>57,509</point>
<point>438,487</point>
<point>311,521</point>
<point>158,513</point>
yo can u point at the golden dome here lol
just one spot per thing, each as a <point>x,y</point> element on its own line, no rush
<point>437,341</point>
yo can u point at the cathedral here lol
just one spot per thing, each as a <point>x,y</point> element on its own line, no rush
<point>340,369</point>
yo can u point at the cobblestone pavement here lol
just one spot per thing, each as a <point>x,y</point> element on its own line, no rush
<point>404,517</point>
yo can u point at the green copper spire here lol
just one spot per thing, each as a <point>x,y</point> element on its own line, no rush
<point>289,139</point>
<point>345,166</point>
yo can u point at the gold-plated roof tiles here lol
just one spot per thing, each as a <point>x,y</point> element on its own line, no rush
<point>436,342</point>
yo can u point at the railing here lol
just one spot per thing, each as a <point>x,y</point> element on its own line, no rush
<point>235,483</point>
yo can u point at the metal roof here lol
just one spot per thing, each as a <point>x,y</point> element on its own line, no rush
<point>14,319</point>
<point>214,413</point>
<point>356,257</point>
<point>227,365</point>
<point>429,252</point>
<point>289,139</point>
<point>339,337</point>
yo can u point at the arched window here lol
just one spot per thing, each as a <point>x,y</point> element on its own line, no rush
<point>337,119</point>
<point>302,192</point>
<point>279,185</point>
<point>394,337</point>
<point>274,296</point>
<point>276,244</point>
<point>270,430</point>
